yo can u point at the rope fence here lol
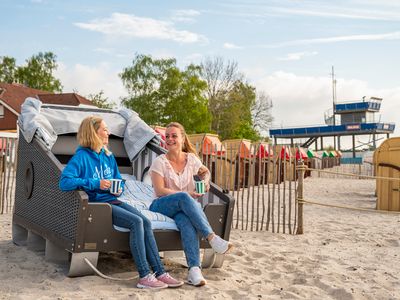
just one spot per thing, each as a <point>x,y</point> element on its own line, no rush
<point>301,200</point>
<point>353,175</point>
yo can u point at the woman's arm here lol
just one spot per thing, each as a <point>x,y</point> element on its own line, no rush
<point>70,178</point>
<point>159,185</point>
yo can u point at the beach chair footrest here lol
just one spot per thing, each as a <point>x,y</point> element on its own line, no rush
<point>78,265</point>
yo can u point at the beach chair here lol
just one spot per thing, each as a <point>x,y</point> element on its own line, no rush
<point>65,225</point>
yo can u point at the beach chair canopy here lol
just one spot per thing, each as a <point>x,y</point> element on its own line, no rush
<point>161,132</point>
<point>301,154</point>
<point>387,164</point>
<point>46,122</point>
<point>285,153</point>
<point>311,154</point>
<point>264,150</point>
<point>210,143</point>
<point>240,147</point>
<point>325,154</point>
<point>332,153</point>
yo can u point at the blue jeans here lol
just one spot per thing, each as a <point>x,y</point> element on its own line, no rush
<point>141,238</point>
<point>190,220</point>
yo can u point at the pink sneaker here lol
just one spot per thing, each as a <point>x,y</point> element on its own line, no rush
<point>150,282</point>
<point>169,280</point>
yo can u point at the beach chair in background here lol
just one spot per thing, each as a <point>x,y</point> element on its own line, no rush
<point>387,164</point>
<point>65,225</point>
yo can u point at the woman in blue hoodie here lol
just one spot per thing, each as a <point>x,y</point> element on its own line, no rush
<point>91,169</point>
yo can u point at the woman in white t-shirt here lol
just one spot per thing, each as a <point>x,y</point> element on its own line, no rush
<point>172,176</point>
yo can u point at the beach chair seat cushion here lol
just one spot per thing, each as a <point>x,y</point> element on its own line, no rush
<point>140,195</point>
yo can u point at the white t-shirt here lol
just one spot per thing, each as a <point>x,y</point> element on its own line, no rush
<point>179,182</point>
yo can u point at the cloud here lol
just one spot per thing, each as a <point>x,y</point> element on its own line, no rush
<point>125,25</point>
<point>91,80</point>
<point>385,10</point>
<point>298,55</point>
<point>340,13</point>
<point>231,46</point>
<point>346,38</point>
<point>185,15</point>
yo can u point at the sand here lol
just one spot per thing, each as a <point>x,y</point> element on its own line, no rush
<point>343,254</point>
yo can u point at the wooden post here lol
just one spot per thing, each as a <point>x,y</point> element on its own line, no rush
<point>2,172</point>
<point>299,199</point>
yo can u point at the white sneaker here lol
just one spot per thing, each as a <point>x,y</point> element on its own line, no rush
<point>219,245</point>
<point>195,277</point>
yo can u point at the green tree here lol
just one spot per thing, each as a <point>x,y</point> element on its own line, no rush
<point>235,113</point>
<point>100,100</point>
<point>160,92</point>
<point>8,69</point>
<point>235,109</point>
<point>38,73</point>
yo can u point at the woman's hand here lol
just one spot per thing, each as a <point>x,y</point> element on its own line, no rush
<point>195,195</point>
<point>204,174</point>
<point>105,184</point>
<point>117,194</point>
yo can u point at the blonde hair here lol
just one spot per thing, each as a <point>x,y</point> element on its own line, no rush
<point>87,134</point>
<point>187,145</point>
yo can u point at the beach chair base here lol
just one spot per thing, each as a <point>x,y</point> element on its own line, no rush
<point>79,267</point>
<point>35,242</point>
<point>19,235</point>
<point>212,259</point>
<point>54,253</point>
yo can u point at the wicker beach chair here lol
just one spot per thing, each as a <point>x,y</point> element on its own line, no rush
<point>64,224</point>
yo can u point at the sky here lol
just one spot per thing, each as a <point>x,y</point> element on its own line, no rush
<point>285,48</point>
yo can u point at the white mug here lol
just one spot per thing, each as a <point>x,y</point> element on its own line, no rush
<point>115,186</point>
<point>200,187</point>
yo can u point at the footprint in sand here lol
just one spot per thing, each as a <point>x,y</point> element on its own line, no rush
<point>393,243</point>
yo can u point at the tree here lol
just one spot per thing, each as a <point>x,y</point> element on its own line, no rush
<point>8,69</point>
<point>38,73</point>
<point>230,99</point>
<point>261,113</point>
<point>100,100</point>
<point>236,119</point>
<point>162,93</point>
<point>221,78</point>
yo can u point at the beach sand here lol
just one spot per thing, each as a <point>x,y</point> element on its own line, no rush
<point>343,254</point>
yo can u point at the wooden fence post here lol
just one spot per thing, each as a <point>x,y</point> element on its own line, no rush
<point>299,198</point>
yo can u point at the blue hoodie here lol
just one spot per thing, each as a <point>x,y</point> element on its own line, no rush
<point>85,170</point>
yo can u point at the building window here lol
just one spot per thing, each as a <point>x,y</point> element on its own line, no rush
<point>1,111</point>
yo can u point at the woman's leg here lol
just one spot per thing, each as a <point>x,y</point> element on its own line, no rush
<point>190,240</point>
<point>150,244</point>
<point>172,204</point>
<point>123,218</point>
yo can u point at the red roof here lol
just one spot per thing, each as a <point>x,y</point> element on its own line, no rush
<point>15,94</point>
<point>65,99</point>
